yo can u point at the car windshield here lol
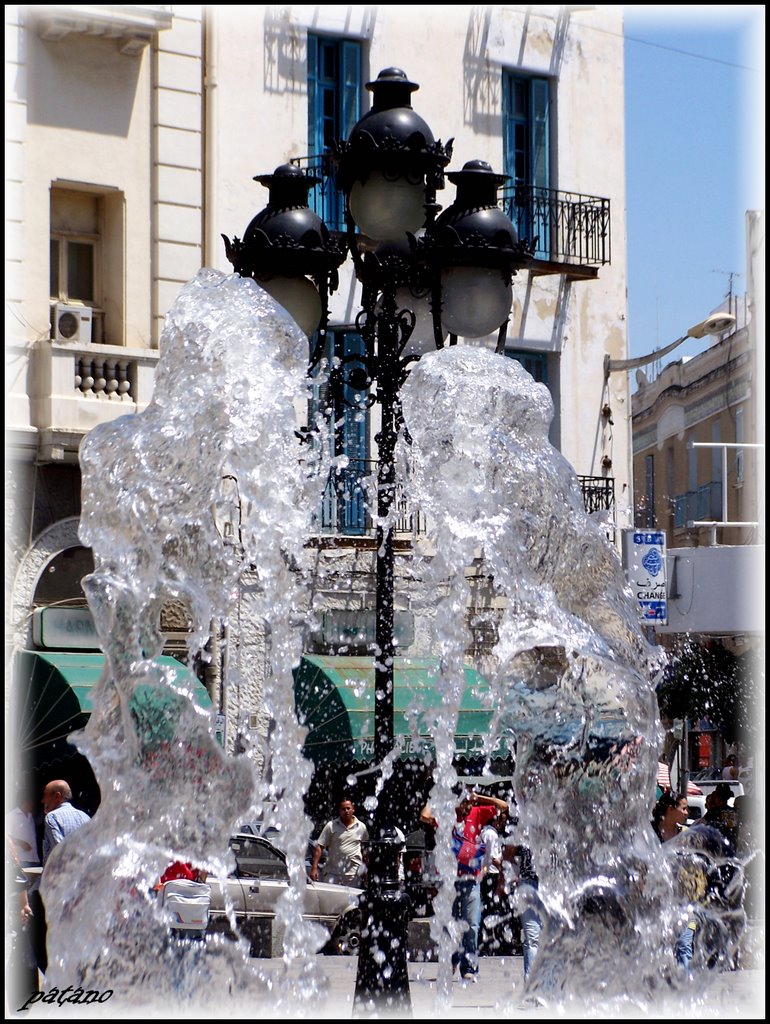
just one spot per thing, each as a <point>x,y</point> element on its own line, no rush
<point>255,858</point>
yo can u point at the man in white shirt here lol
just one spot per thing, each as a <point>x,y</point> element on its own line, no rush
<point>341,838</point>
<point>61,820</point>
<point>20,829</point>
<point>491,904</point>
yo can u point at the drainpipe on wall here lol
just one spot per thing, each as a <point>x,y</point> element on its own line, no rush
<point>211,239</point>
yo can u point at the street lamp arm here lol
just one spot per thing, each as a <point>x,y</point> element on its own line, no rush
<point>717,323</point>
<point>610,365</point>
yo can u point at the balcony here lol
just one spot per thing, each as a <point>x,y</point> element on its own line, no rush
<point>569,232</point>
<point>345,508</point>
<point>598,493</point>
<point>703,503</point>
<point>133,26</point>
<point>76,387</point>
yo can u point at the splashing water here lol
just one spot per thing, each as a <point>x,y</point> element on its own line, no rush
<point>571,677</point>
<point>232,366</point>
<point>570,680</point>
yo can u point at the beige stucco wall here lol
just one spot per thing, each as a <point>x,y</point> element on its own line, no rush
<point>84,116</point>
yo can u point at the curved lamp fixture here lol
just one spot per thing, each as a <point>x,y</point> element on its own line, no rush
<point>391,166</point>
<point>473,252</point>
<point>717,323</point>
<point>288,249</point>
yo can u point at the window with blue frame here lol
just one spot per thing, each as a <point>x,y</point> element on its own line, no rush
<point>535,363</point>
<point>334,106</point>
<point>344,507</point>
<point>527,155</point>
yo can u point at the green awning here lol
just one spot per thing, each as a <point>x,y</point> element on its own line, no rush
<point>334,698</point>
<point>53,691</point>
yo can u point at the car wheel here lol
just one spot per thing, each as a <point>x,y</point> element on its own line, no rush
<point>346,939</point>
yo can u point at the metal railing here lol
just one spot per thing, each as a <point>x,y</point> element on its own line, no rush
<point>561,227</point>
<point>598,493</point>
<point>703,503</point>
<point>347,497</point>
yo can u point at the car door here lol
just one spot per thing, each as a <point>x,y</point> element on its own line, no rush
<point>260,874</point>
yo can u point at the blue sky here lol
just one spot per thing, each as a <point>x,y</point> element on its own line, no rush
<point>694,162</point>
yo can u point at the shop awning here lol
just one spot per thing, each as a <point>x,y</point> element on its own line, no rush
<point>334,698</point>
<point>53,690</point>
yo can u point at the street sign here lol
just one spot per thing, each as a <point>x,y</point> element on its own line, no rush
<point>220,729</point>
<point>644,556</point>
<point>64,629</point>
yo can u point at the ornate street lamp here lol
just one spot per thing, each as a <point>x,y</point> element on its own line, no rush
<point>422,277</point>
<point>289,251</point>
<point>473,253</point>
<point>390,169</point>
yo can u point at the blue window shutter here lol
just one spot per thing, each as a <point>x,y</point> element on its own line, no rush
<point>349,92</point>
<point>313,120</point>
<point>334,106</point>
<point>344,507</point>
<point>535,363</point>
<point>539,131</point>
<point>527,154</point>
<point>350,65</point>
<point>354,444</point>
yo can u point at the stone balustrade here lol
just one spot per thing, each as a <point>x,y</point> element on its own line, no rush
<point>75,387</point>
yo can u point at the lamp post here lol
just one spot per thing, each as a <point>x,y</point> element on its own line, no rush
<point>423,277</point>
<point>716,323</point>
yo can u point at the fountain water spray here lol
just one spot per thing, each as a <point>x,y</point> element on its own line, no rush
<point>572,675</point>
<point>570,683</point>
<point>232,367</point>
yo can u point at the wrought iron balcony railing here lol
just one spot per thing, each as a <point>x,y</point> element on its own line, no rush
<point>562,227</point>
<point>345,506</point>
<point>598,493</point>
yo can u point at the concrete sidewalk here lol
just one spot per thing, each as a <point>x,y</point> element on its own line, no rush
<point>733,995</point>
<point>326,992</point>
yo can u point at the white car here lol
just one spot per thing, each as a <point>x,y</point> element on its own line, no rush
<point>260,879</point>
<point>696,801</point>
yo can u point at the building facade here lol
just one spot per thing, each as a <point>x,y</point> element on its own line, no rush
<point>104,172</point>
<point>133,136</point>
<point>698,438</point>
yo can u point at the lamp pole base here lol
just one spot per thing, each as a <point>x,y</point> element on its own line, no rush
<point>382,981</point>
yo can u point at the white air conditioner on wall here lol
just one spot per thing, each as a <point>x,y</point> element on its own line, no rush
<point>72,323</point>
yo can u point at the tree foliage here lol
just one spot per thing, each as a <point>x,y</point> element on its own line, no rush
<point>705,680</point>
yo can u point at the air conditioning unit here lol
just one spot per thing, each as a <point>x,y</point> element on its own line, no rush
<point>72,323</point>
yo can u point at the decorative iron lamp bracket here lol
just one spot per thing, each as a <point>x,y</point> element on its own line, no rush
<point>287,239</point>
<point>472,233</point>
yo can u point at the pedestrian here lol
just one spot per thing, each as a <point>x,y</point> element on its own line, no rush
<point>730,771</point>
<point>61,820</point>
<point>668,820</point>
<point>720,815</point>
<point>524,884</point>
<point>472,813</point>
<point>21,969</point>
<point>21,830</point>
<point>669,816</point>
<point>491,895</point>
<point>420,873</point>
<point>342,840</point>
